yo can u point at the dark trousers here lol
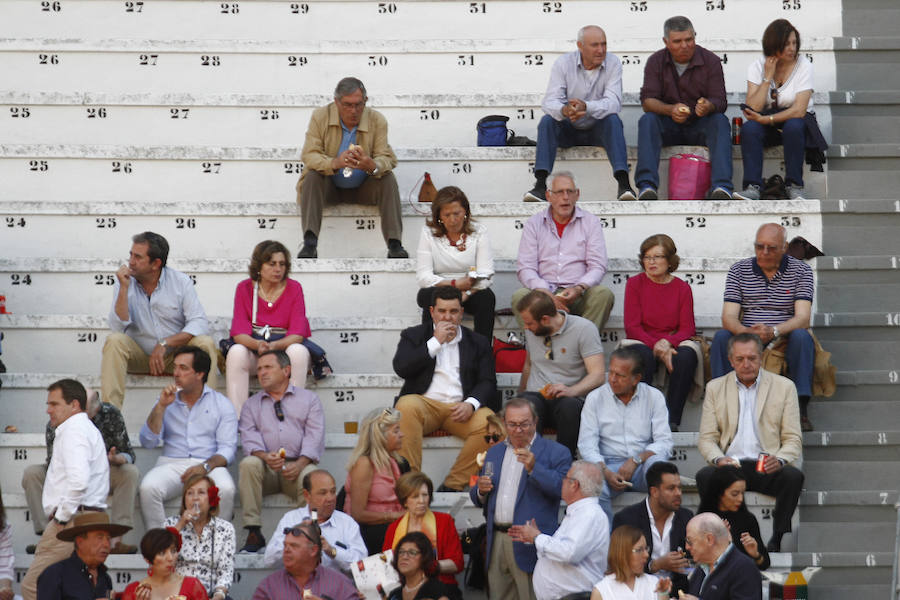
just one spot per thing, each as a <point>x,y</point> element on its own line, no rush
<point>785,485</point>
<point>800,356</point>
<point>607,132</point>
<point>684,363</point>
<point>480,305</point>
<point>755,137</point>
<point>562,414</point>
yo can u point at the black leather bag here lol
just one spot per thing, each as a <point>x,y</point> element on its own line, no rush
<point>474,543</point>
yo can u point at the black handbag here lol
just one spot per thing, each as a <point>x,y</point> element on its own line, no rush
<point>474,543</point>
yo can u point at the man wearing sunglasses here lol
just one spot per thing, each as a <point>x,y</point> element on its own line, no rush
<point>771,295</point>
<point>283,435</point>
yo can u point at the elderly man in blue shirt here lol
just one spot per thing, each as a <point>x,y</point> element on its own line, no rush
<point>582,105</point>
<point>624,427</point>
<point>155,309</point>
<point>197,428</point>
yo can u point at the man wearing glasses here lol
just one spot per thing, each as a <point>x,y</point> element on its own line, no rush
<point>722,573</point>
<point>197,428</point>
<point>347,158</point>
<point>520,482</point>
<point>564,363</point>
<point>283,435</point>
<point>771,295</point>
<point>563,252</point>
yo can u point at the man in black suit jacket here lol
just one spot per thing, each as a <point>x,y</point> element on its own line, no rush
<point>669,523</point>
<point>449,384</point>
<point>722,572</point>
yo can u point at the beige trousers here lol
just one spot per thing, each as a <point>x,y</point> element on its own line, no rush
<point>595,305</point>
<point>506,580</point>
<point>256,480</point>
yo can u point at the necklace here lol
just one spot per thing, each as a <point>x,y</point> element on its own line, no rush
<point>278,291</point>
<point>460,244</point>
<point>415,587</point>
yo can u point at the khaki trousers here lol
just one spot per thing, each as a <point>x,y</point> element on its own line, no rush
<point>49,550</point>
<point>420,416</point>
<point>122,355</point>
<point>318,190</point>
<point>256,480</point>
<point>595,305</point>
<point>506,580</point>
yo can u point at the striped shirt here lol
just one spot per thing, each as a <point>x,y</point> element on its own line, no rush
<point>324,582</point>
<point>765,301</point>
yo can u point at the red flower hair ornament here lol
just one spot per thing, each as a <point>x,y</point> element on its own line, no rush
<point>213,493</point>
<point>177,535</point>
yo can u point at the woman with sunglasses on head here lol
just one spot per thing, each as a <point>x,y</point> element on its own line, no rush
<point>417,565</point>
<point>625,577</point>
<point>415,492</point>
<point>779,110</point>
<point>450,247</point>
<point>208,542</point>
<point>372,474</point>
<point>160,549</point>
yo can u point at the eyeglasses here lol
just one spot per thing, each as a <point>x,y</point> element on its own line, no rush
<point>548,344</point>
<point>564,192</point>
<point>520,426</point>
<point>353,105</point>
<point>279,412</point>
<point>297,532</point>
<point>410,553</point>
<point>650,258</point>
<point>494,437</point>
<point>765,248</point>
<point>640,550</point>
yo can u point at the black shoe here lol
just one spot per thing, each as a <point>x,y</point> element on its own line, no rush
<point>537,194</point>
<point>626,193</point>
<point>648,193</point>
<point>774,544</point>
<point>673,427</point>
<point>805,423</point>
<point>308,251</point>
<point>396,249</point>
<point>255,541</point>
<point>320,368</point>
<point>30,548</point>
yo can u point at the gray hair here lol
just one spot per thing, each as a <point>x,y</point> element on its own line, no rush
<point>556,174</point>
<point>93,402</point>
<point>584,29</point>
<point>589,477</point>
<point>781,230</point>
<point>711,523</point>
<point>677,24</point>
<point>519,402</point>
<point>347,86</point>
<point>744,338</point>
<point>280,355</point>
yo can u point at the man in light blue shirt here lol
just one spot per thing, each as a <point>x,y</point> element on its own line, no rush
<point>582,105</point>
<point>624,427</point>
<point>155,309</point>
<point>197,428</point>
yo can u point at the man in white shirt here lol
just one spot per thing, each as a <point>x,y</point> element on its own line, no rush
<point>624,427</point>
<point>77,478</point>
<point>449,383</point>
<point>342,543</point>
<point>572,559</point>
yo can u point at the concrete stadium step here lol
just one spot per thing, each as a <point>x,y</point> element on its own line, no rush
<point>843,571</point>
<point>856,355</point>
<point>875,17</point>
<point>864,171</point>
<point>332,287</point>
<point>36,172</point>
<point>855,269</point>
<point>863,116</point>
<point>831,413</point>
<point>844,297</point>
<point>835,474</point>
<point>866,62</point>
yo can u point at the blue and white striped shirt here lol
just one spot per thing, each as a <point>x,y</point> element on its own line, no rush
<point>765,301</point>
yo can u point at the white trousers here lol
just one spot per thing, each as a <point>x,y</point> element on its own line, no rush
<point>163,482</point>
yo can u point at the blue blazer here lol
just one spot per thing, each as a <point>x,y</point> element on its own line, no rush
<point>538,497</point>
<point>735,578</point>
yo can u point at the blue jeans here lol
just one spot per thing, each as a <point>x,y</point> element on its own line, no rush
<point>606,132</point>
<point>638,479</point>
<point>656,131</point>
<point>800,355</point>
<point>755,137</point>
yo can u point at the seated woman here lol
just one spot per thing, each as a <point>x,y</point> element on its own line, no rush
<point>415,492</point>
<point>725,497</point>
<point>659,313</point>
<point>779,96</point>
<point>269,314</point>
<point>208,551</point>
<point>416,563</point>
<point>160,549</point>
<point>372,474</point>
<point>453,250</point>
<point>625,577</point>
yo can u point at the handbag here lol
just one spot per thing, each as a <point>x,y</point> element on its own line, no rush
<point>427,191</point>
<point>492,130</point>
<point>508,358</point>
<point>473,542</point>
<point>689,177</point>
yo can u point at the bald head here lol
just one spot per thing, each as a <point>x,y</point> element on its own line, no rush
<point>707,538</point>
<point>772,229</point>
<point>592,46</point>
<point>770,246</point>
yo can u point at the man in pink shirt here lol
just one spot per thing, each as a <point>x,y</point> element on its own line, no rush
<point>563,251</point>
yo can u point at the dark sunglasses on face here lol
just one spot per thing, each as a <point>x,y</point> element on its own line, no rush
<point>494,437</point>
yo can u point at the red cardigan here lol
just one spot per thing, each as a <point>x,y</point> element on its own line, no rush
<point>654,311</point>
<point>448,545</point>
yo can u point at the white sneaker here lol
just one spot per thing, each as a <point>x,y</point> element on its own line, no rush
<point>751,192</point>
<point>795,192</point>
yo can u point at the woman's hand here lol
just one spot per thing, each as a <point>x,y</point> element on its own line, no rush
<point>769,67</point>
<point>263,346</point>
<point>750,545</point>
<point>663,585</point>
<point>465,284</point>
<point>143,591</point>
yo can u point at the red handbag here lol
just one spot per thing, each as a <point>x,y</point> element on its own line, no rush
<point>689,177</point>
<point>508,358</point>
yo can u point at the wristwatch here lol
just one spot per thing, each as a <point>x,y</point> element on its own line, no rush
<point>162,343</point>
<point>637,459</point>
<point>775,331</point>
<point>206,465</point>
<point>374,171</point>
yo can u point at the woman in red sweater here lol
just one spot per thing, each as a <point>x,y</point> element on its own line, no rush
<point>659,313</point>
<point>415,491</point>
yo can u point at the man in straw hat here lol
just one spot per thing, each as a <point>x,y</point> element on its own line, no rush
<point>82,575</point>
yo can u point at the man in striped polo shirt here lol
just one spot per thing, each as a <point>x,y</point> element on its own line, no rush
<point>770,295</point>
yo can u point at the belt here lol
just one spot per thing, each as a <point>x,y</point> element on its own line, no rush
<point>83,508</point>
<point>502,528</point>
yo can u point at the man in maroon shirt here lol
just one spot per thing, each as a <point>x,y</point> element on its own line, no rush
<point>683,98</point>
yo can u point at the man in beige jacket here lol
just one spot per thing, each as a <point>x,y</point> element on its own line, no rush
<point>748,412</point>
<point>347,158</point>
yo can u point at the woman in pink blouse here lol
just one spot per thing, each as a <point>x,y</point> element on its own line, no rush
<point>277,322</point>
<point>659,313</point>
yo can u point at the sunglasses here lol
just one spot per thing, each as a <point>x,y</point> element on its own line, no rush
<point>548,344</point>
<point>279,413</point>
<point>494,437</point>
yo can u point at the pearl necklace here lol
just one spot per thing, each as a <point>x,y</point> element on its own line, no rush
<point>415,587</point>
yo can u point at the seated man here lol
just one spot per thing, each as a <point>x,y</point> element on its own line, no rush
<point>747,413</point>
<point>123,475</point>
<point>771,295</point>
<point>663,520</point>
<point>155,308</point>
<point>722,572</point>
<point>684,102</point>
<point>624,427</point>
<point>347,158</point>
<point>449,383</point>
<point>283,435</point>
<point>564,363</point>
<point>582,106</point>
<point>197,428</point>
<point>303,576</point>
<point>563,252</point>
<point>342,543</point>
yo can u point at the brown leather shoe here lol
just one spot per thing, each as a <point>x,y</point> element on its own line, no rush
<point>121,548</point>
<point>805,424</point>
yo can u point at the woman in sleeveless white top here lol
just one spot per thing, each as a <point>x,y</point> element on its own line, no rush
<point>625,577</point>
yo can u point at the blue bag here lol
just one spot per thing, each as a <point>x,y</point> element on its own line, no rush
<point>492,130</point>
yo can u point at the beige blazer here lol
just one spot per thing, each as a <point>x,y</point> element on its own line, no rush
<point>777,417</point>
